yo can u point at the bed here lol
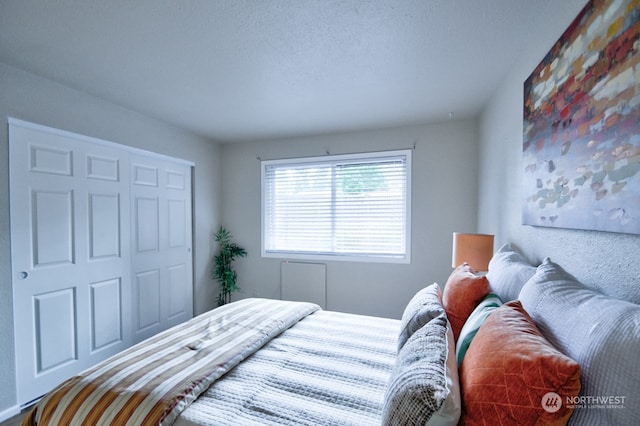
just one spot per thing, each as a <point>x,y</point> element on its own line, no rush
<point>524,344</point>
<point>262,362</point>
<point>265,362</point>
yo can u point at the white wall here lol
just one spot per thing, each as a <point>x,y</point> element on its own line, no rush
<point>602,260</point>
<point>28,97</point>
<point>444,196</point>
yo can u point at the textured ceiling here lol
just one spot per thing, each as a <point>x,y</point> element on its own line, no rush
<point>236,70</point>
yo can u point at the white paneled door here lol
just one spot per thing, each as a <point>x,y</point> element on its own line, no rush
<point>75,289</point>
<point>161,249</point>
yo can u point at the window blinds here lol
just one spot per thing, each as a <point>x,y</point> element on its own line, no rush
<point>346,205</point>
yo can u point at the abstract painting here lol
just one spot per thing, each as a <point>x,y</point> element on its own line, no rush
<point>581,139</point>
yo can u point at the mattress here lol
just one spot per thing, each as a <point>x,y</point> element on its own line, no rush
<point>329,368</point>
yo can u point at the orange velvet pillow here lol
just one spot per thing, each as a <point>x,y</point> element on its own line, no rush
<point>462,293</point>
<point>509,371</point>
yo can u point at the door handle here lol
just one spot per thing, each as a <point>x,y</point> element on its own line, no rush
<point>23,274</point>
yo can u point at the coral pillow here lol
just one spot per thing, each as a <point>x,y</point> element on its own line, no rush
<point>509,371</point>
<point>462,293</point>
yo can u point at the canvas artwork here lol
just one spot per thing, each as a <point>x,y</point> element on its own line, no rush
<point>581,139</point>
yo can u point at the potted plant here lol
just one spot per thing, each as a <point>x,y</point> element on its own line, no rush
<point>223,271</point>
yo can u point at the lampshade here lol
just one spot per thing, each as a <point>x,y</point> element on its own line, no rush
<point>474,249</point>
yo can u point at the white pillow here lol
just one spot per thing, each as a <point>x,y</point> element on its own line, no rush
<point>508,272</point>
<point>602,334</point>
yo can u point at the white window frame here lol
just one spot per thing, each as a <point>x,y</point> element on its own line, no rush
<point>406,258</point>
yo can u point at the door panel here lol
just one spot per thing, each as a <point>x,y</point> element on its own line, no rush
<point>55,328</point>
<point>69,202</point>
<point>177,290</point>
<point>50,161</point>
<point>177,220</point>
<point>104,168</point>
<point>145,175</point>
<point>104,226</point>
<point>106,313</point>
<point>148,296</point>
<point>146,221</point>
<point>176,180</point>
<point>52,221</point>
<point>162,262</point>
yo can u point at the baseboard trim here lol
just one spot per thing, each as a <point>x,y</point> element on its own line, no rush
<point>9,412</point>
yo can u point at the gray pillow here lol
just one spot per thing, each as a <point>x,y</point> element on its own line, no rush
<point>602,334</point>
<point>508,272</point>
<point>422,308</point>
<point>423,388</point>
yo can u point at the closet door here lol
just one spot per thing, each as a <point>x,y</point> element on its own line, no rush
<point>69,203</point>
<point>101,251</point>
<point>161,244</point>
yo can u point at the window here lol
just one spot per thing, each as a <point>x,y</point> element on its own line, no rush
<point>340,207</point>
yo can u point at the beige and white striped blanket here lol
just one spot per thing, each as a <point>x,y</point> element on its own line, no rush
<point>153,381</point>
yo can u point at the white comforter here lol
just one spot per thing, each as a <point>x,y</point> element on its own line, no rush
<point>330,368</point>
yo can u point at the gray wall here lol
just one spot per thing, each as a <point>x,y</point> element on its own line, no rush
<point>28,97</point>
<point>601,260</point>
<point>444,196</point>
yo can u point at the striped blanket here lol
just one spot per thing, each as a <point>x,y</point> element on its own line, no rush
<point>153,381</point>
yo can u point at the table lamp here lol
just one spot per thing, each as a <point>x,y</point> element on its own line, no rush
<point>474,249</point>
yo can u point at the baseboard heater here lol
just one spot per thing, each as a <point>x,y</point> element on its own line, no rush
<point>304,282</point>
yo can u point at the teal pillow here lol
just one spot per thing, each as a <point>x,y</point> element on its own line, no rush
<point>489,304</point>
